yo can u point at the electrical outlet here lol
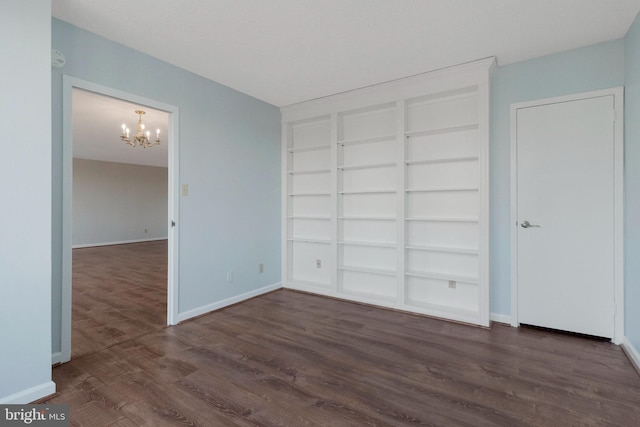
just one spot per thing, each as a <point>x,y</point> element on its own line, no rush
<point>229,276</point>
<point>452,284</point>
<point>318,263</point>
<point>260,268</point>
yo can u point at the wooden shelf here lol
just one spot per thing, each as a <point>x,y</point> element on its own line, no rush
<point>466,251</point>
<point>368,244</point>
<point>346,193</point>
<point>308,240</point>
<point>309,148</point>
<point>367,166</point>
<point>368,270</point>
<point>436,131</point>
<point>440,189</point>
<point>443,160</point>
<point>315,218</point>
<point>309,172</point>
<point>368,218</point>
<point>309,194</point>
<point>367,140</point>
<point>443,276</point>
<point>444,219</point>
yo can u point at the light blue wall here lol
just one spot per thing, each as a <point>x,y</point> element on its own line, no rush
<point>25,206</point>
<point>632,184</point>
<point>229,156</point>
<point>594,67</point>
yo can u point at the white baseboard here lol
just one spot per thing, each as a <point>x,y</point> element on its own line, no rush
<point>226,302</point>
<point>56,358</point>
<point>632,352</point>
<point>120,242</point>
<point>500,318</point>
<point>30,395</point>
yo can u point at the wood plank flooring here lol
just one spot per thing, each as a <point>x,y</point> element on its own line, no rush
<point>119,292</point>
<point>292,359</point>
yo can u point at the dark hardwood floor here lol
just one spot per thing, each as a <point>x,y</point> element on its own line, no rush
<point>119,292</point>
<point>292,359</point>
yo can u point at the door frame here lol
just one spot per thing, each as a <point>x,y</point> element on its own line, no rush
<point>618,231</point>
<point>69,83</point>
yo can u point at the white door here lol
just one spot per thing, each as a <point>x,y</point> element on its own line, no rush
<point>565,190</point>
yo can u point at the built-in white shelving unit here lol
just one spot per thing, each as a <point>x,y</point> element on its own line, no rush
<point>366,203</point>
<point>308,236</point>
<point>385,194</point>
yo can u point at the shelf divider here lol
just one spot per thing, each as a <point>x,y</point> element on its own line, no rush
<point>442,276</point>
<point>367,166</point>
<point>314,218</point>
<point>309,194</point>
<point>436,131</point>
<point>440,189</point>
<point>309,172</point>
<point>391,273</point>
<point>368,244</point>
<point>309,148</point>
<point>466,251</point>
<point>367,218</point>
<point>443,219</point>
<point>367,140</point>
<point>346,193</point>
<point>309,240</point>
<point>442,160</point>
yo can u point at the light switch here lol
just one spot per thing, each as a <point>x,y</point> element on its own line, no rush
<point>185,190</point>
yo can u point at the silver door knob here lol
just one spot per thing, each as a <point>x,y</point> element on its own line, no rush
<point>526,224</point>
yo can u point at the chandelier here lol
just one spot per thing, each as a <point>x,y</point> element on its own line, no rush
<point>141,137</point>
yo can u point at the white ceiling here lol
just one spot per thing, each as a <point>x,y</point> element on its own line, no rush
<point>287,51</point>
<point>97,125</point>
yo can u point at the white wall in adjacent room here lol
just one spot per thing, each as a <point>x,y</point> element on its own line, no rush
<point>118,202</point>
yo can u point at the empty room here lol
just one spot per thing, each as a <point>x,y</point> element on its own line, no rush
<point>321,212</point>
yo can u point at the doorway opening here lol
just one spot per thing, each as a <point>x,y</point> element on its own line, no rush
<point>119,275</point>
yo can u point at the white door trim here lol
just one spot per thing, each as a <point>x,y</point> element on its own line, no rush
<point>618,94</point>
<point>69,83</point>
